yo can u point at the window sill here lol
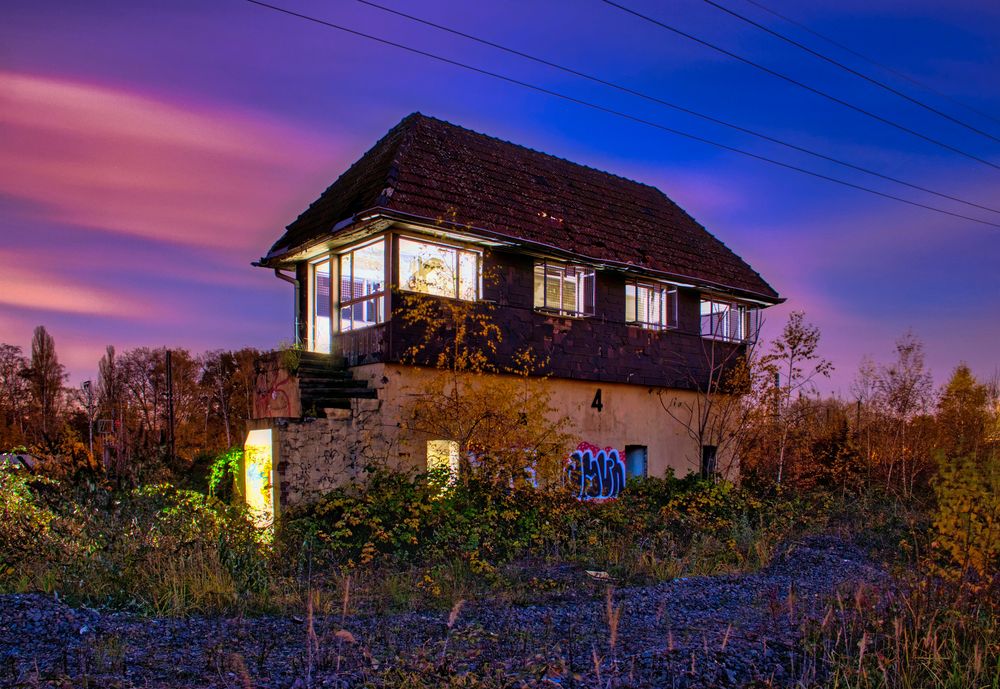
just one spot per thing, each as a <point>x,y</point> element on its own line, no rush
<point>562,314</point>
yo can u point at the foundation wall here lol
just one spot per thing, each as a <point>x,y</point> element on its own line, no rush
<point>312,456</point>
<point>631,415</point>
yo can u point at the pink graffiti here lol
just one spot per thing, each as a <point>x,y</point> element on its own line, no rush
<point>595,473</point>
<point>270,395</point>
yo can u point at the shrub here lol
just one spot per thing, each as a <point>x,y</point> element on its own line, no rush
<point>653,523</point>
<point>157,548</point>
<point>967,519</point>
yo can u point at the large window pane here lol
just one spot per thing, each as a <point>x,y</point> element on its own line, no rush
<point>319,317</point>
<point>564,289</point>
<point>728,320</point>
<point>362,286</point>
<point>651,305</point>
<point>443,271</point>
<point>468,275</point>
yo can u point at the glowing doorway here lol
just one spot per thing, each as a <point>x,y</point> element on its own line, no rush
<point>257,478</point>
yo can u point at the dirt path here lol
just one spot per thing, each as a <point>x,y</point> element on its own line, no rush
<point>737,630</point>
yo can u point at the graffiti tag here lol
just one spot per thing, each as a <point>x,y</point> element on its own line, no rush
<point>596,474</point>
<point>275,393</point>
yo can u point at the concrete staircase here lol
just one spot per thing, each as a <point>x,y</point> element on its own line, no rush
<point>325,383</point>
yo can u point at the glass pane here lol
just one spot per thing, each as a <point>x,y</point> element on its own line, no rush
<point>428,268</point>
<point>630,302</point>
<point>586,290</point>
<point>539,285</point>
<point>468,275</point>
<point>369,270</point>
<point>655,306</point>
<point>569,290</point>
<point>320,297</point>
<point>553,287</point>
<point>671,307</point>
<point>346,293</point>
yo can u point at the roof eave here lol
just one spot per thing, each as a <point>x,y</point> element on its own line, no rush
<point>287,258</point>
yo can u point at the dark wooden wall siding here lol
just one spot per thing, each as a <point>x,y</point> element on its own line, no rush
<point>302,275</point>
<point>598,348</point>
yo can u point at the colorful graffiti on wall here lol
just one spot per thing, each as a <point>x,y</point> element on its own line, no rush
<point>595,473</point>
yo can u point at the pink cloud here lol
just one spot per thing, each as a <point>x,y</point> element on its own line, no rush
<point>102,157</point>
<point>42,289</point>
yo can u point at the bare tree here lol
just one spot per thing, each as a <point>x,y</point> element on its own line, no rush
<point>717,414</point>
<point>45,377</point>
<point>14,395</point>
<point>904,393</point>
<point>792,365</point>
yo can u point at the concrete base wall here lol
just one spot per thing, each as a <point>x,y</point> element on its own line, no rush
<point>313,456</point>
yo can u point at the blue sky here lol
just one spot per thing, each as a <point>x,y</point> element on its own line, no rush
<point>150,151</point>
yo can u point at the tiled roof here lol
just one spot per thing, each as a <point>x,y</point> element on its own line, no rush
<point>433,169</point>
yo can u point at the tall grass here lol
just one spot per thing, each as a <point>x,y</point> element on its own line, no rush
<point>928,634</point>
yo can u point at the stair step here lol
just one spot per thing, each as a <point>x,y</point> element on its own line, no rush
<point>343,393</point>
<point>328,379</point>
<point>314,386</point>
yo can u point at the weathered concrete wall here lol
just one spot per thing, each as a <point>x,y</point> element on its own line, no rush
<point>314,456</point>
<point>631,415</point>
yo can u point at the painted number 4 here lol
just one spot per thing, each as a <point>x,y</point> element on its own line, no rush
<point>597,403</point>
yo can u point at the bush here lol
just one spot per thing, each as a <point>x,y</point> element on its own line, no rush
<point>647,532</point>
<point>157,549</point>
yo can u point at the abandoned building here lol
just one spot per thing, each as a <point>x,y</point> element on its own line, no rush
<point>613,286</point>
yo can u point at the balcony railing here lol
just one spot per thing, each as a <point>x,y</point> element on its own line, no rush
<point>362,346</point>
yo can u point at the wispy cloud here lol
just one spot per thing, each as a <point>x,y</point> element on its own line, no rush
<point>39,289</point>
<point>102,157</point>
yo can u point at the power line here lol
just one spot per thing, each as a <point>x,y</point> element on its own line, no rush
<point>617,113</point>
<point>800,84</point>
<point>674,106</point>
<point>850,70</point>
<point>891,70</point>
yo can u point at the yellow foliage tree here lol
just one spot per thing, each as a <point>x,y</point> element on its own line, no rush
<point>967,520</point>
<point>500,415</point>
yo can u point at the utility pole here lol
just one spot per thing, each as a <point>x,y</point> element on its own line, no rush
<point>170,406</point>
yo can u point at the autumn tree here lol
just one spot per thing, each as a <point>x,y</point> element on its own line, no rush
<point>964,415</point>
<point>500,416</point>
<point>896,429</point>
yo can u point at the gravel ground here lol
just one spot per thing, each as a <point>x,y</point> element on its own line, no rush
<point>722,631</point>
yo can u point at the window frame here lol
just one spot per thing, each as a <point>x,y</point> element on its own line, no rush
<point>581,302</point>
<point>377,297</point>
<point>459,250</point>
<point>749,319</point>
<point>668,298</point>
<point>313,301</point>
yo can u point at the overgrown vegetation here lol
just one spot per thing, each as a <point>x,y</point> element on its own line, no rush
<point>911,475</point>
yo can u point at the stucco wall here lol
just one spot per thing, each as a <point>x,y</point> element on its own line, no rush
<point>311,456</point>
<point>631,415</point>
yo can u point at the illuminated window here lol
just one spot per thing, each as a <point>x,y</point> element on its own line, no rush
<point>362,286</point>
<point>564,289</point>
<point>442,459</point>
<point>651,305</point>
<point>319,310</point>
<point>444,271</point>
<point>728,320</point>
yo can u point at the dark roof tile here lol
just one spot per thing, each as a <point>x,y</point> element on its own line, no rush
<point>430,168</point>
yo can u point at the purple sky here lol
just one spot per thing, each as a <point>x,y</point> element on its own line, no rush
<point>150,151</point>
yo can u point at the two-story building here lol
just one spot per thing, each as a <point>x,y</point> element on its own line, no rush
<point>622,294</point>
